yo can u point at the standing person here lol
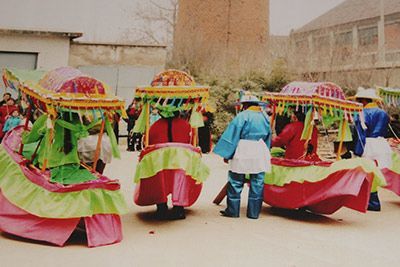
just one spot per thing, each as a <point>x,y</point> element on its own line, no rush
<point>154,116</point>
<point>116,119</point>
<point>6,96</point>
<point>394,129</point>
<point>290,138</point>
<point>371,131</point>
<point>133,113</point>
<point>170,128</point>
<point>245,145</point>
<point>205,132</point>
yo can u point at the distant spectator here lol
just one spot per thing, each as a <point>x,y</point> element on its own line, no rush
<point>154,116</point>
<point>394,128</point>
<point>5,112</point>
<point>13,121</point>
<point>6,96</point>
<point>133,112</point>
<point>205,132</point>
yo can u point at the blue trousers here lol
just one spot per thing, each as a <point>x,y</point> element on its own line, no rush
<point>235,186</point>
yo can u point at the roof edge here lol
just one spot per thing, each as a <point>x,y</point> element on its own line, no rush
<point>120,44</point>
<point>67,34</point>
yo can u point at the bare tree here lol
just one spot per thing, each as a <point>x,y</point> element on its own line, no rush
<point>156,20</point>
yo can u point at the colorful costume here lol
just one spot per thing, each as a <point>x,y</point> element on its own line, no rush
<point>51,211</point>
<point>371,142</point>
<point>245,143</point>
<point>290,137</point>
<point>169,164</point>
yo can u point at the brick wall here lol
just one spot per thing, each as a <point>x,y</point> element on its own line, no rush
<point>224,35</point>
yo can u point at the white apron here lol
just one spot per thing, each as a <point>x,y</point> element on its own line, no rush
<point>251,157</point>
<point>378,149</point>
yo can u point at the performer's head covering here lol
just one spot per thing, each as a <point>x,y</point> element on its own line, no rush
<point>245,97</point>
<point>369,93</point>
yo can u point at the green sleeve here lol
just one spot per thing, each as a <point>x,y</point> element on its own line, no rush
<point>39,129</point>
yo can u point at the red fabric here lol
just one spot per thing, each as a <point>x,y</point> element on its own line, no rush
<point>345,188</point>
<point>181,131</point>
<point>392,180</point>
<point>101,229</point>
<point>299,162</point>
<point>18,222</point>
<point>6,110</point>
<point>290,138</point>
<point>155,190</point>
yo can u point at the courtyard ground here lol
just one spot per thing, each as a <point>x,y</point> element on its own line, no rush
<point>277,238</point>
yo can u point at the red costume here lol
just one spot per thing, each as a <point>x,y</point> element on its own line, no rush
<point>183,188</point>
<point>290,137</point>
<point>180,131</point>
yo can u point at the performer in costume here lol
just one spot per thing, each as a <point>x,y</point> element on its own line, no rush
<point>290,138</point>
<point>371,130</point>
<point>245,143</point>
<point>170,128</point>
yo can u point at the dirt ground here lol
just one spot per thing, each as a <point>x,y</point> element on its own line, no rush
<point>277,238</point>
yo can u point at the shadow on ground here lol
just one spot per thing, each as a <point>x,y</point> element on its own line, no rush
<point>302,215</point>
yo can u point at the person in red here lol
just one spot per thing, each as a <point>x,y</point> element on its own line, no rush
<point>170,128</point>
<point>290,138</point>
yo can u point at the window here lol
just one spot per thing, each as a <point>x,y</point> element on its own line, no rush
<point>20,60</point>
<point>368,36</point>
<point>344,38</point>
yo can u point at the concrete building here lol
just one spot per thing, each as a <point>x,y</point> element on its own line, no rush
<point>92,36</point>
<point>222,36</point>
<point>122,66</point>
<point>356,43</point>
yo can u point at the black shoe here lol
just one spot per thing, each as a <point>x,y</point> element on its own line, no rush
<point>226,214</point>
<point>177,213</point>
<point>374,204</point>
<point>373,208</point>
<point>162,211</point>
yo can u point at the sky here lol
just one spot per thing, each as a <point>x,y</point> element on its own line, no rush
<point>292,14</point>
<point>109,20</point>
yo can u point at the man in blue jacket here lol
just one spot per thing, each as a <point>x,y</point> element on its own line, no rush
<point>245,145</point>
<point>371,128</point>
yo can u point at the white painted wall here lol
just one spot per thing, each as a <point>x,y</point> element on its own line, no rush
<point>52,52</point>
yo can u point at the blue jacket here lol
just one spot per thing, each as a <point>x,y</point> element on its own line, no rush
<point>11,123</point>
<point>248,125</point>
<point>376,120</point>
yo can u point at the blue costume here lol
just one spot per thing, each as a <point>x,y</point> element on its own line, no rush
<point>11,123</point>
<point>371,143</point>
<point>376,120</point>
<point>249,126</point>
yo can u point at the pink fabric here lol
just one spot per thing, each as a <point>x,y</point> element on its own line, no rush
<point>101,229</point>
<point>18,222</point>
<point>104,229</point>
<point>345,188</point>
<point>154,190</point>
<point>392,180</point>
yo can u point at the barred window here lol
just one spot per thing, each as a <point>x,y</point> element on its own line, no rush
<point>368,36</point>
<point>344,38</point>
